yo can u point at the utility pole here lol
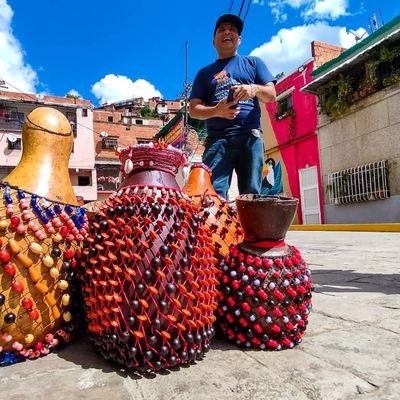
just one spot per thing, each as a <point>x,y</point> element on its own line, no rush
<point>187,87</point>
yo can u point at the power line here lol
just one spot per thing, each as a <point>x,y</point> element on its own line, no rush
<point>230,7</point>
<point>241,7</point>
<point>247,10</point>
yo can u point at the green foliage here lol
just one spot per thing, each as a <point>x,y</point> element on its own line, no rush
<point>337,95</point>
<point>71,96</point>
<point>148,113</point>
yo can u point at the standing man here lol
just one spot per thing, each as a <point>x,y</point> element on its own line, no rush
<point>234,136</point>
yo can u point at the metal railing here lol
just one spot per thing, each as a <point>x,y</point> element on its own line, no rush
<point>362,183</point>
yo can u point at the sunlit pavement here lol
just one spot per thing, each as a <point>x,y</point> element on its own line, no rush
<point>351,349</point>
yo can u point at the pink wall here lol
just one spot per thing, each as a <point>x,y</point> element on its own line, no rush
<point>296,137</point>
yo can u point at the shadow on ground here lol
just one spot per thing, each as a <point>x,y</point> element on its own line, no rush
<point>81,352</point>
<point>340,280</point>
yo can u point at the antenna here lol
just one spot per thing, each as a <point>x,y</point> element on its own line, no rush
<point>103,134</point>
<point>357,36</point>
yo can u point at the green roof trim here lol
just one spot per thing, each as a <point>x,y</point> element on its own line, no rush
<point>352,51</point>
<point>196,124</point>
<point>165,129</point>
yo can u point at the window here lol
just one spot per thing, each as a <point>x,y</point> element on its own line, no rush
<point>285,107</point>
<point>110,142</point>
<point>110,118</point>
<point>15,144</point>
<point>83,180</point>
<point>84,112</point>
<point>17,116</point>
<point>363,183</point>
<point>143,141</point>
<point>139,122</point>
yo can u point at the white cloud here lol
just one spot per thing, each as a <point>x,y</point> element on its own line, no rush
<point>17,74</point>
<point>114,88</point>
<point>327,9</point>
<point>317,9</point>
<point>290,48</point>
<point>297,3</point>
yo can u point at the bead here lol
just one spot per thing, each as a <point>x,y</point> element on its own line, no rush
<point>36,248</point>
<point>33,314</point>
<point>65,299</point>
<point>57,238</point>
<point>17,346</point>
<point>29,338</point>
<point>10,269</point>
<point>63,284</point>
<point>5,256</point>
<point>9,318</point>
<point>67,316</point>
<point>54,273</point>
<point>48,261</point>
<point>17,286</point>
<point>27,303</point>
<point>21,229</point>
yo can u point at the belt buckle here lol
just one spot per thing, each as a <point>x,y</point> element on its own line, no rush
<point>256,133</point>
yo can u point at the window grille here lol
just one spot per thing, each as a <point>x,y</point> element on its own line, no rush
<point>363,183</point>
<point>110,142</point>
<point>143,141</point>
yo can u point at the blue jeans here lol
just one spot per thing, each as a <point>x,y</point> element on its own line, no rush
<point>243,153</point>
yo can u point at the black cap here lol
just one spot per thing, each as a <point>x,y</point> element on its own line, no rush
<point>231,19</point>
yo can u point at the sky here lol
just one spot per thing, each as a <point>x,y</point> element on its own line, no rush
<point>107,51</point>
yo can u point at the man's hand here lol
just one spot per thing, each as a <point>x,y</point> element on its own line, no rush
<point>264,93</point>
<point>243,92</point>
<point>223,109</point>
<point>228,110</point>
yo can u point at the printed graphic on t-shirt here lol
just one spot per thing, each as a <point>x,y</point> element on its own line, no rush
<point>224,83</point>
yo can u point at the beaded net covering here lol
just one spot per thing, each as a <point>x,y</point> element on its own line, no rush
<point>149,279</point>
<point>265,300</point>
<point>217,215</point>
<point>38,242</point>
<point>152,156</point>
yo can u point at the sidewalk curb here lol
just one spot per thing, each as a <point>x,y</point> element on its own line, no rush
<point>348,227</point>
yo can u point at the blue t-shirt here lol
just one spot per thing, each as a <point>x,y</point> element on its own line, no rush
<point>212,84</point>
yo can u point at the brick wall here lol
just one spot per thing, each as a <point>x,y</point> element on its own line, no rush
<point>324,52</point>
<point>125,136</point>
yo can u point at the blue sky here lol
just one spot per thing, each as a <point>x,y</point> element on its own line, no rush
<point>107,51</point>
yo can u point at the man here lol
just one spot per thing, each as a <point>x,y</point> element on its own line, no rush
<point>234,140</point>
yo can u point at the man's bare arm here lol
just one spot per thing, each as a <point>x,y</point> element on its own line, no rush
<point>264,93</point>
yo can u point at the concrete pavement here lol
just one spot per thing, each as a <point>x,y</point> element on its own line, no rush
<point>351,349</point>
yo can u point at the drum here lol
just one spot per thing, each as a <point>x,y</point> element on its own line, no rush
<point>41,228</point>
<point>266,285</point>
<point>148,270</point>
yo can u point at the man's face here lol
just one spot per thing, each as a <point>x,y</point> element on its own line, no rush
<point>227,37</point>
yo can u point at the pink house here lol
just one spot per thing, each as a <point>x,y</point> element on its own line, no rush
<point>292,163</point>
